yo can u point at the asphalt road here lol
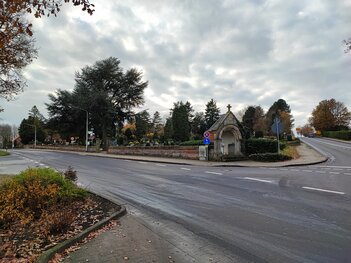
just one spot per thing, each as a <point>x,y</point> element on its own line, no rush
<point>292,214</point>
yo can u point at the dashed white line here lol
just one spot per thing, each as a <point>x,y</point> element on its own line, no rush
<point>208,172</point>
<point>283,169</point>
<point>186,169</point>
<point>321,172</point>
<point>323,190</point>
<point>258,180</point>
<point>295,170</point>
<point>127,160</point>
<point>41,164</point>
<point>142,162</point>
<point>272,168</point>
<point>334,172</point>
<point>307,171</point>
<point>162,165</point>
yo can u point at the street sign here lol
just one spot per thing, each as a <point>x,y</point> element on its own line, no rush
<point>207,141</point>
<point>277,126</point>
<point>206,134</point>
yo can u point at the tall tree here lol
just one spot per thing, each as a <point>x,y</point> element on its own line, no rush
<point>180,121</point>
<point>211,113</point>
<point>276,110</point>
<point>259,120</point>
<point>35,113</point>
<point>5,135</point>
<point>27,130</point>
<point>16,38</point>
<point>104,90</point>
<point>168,130</point>
<point>330,115</point>
<point>198,126</point>
<point>63,119</point>
<point>249,119</point>
<point>142,124</point>
<point>157,125</point>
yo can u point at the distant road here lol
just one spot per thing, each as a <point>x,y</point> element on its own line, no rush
<point>339,153</point>
<point>290,214</point>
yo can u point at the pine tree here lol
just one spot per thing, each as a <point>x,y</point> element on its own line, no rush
<point>211,113</point>
<point>180,121</point>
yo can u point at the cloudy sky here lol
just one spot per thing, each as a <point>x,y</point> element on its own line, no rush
<point>247,52</point>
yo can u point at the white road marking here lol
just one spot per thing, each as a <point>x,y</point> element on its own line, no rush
<point>36,162</point>
<point>330,166</point>
<point>41,164</point>
<point>307,171</point>
<point>337,169</point>
<point>127,160</point>
<point>334,172</point>
<point>321,172</point>
<point>283,169</point>
<point>272,168</point>
<point>162,165</point>
<point>208,172</point>
<point>323,190</point>
<point>186,169</point>
<point>142,162</point>
<point>295,170</point>
<point>347,173</point>
<point>258,180</point>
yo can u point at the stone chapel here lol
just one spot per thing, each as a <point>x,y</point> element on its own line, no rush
<point>228,137</point>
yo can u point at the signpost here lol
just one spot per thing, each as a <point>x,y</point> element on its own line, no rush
<point>207,141</point>
<point>277,128</point>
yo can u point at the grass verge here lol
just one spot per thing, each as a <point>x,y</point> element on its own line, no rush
<point>4,153</point>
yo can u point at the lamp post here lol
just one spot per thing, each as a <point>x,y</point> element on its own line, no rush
<point>86,126</point>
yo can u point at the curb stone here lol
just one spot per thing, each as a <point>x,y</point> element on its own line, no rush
<point>47,255</point>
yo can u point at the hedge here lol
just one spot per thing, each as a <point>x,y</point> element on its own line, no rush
<point>262,145</point>
<point>269,157</point>
<point>191,143</point>
<point>343,135</point>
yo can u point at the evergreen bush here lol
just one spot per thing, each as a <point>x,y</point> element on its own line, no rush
<point>343,135</point>
<point>269,157</point>
<point>262,145</point>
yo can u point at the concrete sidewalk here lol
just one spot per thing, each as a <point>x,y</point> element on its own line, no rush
<point>128,241</point>
<point>307,156</point>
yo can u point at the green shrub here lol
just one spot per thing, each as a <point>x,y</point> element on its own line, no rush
<point>25,196</point>
<point>259,134</point>
<point>269,157</point>
<point>343,135</point>
<point>4,153</point>
<point>262,145</point>
<point>192,142</point>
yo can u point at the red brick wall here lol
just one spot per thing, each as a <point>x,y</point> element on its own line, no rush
<point>186,152</point>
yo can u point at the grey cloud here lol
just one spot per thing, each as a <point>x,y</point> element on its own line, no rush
<point>238,52</point>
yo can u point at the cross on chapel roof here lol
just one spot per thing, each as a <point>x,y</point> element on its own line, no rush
<point>229,107</point>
